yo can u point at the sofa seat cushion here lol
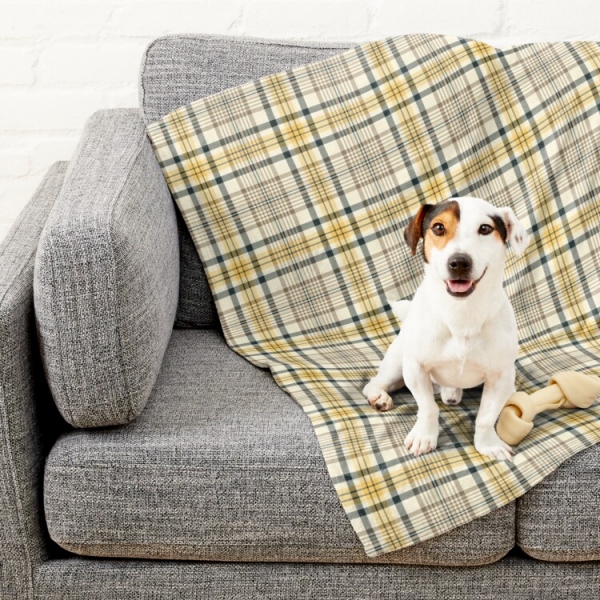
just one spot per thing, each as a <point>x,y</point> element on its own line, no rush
<point>559,519</point>
<point>221,465</point>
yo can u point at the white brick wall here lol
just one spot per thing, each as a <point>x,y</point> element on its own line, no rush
<point>60,60</point>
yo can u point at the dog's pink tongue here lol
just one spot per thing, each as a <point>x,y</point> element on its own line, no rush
<point>459,287</point>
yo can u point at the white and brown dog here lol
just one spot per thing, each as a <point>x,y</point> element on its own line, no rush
<point>459,331</point>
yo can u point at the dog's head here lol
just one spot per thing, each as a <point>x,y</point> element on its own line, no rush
<point>464,239</point>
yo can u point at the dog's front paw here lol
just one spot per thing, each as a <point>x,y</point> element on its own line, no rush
<point>494,447</point>
<point>422,437</point>
<point>378,398</point>
<point>381,401</point>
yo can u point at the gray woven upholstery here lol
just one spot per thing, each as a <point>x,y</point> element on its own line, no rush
<point>107,274</point>
<point>221,465</point>
<point>509,579</point>
<point>196,308</point>
<point>177,70</point>
<point>559,519</point>
<point>24,400</point>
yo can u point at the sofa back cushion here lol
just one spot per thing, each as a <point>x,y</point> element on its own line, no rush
<point>106,275</point>
<point>177,70</point>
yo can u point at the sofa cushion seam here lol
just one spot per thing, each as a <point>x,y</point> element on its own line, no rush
<point>118,309</point>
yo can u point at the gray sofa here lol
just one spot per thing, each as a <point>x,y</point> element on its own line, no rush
<point>205,479</point>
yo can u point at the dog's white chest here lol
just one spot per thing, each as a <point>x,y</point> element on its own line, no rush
<point>459,363</point>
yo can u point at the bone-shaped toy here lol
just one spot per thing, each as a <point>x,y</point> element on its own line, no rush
<point>565,390</point>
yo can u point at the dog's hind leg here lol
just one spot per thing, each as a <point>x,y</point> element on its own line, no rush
<point>388,379</point>
<point>451,396</point>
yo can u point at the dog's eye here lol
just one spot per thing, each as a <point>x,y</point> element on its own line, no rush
<point>485,229</point>
<point>438,229</point>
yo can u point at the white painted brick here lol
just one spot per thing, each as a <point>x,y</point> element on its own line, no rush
<point>15,194</point>
<point>459,17</point>
<point>91,64</point>
<point>13,164</point>
<point>4,227</point>
<point>17,65</point>
<point>46,152</point>
<point>28,19</point>
<point>49,110</point>
<point>160,18</point>
<point>332,20</point>
<point>544,20</point>
<point>125,97</point>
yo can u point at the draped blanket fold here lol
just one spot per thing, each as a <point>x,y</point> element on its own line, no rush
<point>296,189</point>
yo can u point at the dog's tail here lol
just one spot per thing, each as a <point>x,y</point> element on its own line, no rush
<point>400,308</point>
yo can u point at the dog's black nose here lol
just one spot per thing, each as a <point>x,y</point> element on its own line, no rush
<point>460,265</point>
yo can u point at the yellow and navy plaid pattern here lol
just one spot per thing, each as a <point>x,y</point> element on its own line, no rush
<point>296,189</point>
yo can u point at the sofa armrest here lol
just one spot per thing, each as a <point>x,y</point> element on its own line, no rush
<point>24,398</point>
<point>106,279</point>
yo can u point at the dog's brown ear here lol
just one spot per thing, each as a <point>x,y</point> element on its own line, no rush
<point>414,231</point>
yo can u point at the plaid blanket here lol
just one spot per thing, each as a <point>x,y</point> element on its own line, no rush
<point>296,189</point>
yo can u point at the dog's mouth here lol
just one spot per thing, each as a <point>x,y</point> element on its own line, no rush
<point>461,288</point>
